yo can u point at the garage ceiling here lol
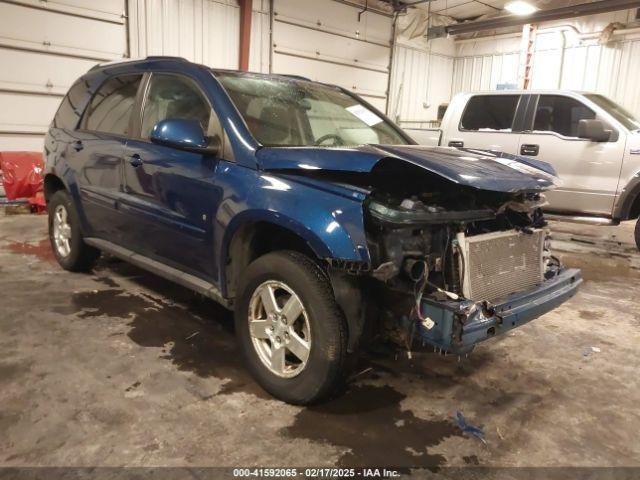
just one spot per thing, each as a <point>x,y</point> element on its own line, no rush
<point>470,9</point>
<point>463,9</point>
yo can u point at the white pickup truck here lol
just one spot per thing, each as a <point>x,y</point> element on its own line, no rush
<point>593,143</point>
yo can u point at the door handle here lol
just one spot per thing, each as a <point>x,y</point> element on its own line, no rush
<point>135,160</point>
<point>78,145</point>
<point>456,143</point>
<point>529,149</point>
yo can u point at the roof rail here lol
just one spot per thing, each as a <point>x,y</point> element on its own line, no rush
<point>166,57</point>
<point>127,60</point>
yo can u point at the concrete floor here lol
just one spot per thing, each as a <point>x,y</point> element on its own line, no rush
<point>120,367</point>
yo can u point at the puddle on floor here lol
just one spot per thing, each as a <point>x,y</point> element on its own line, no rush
<point>41,250</point>
<point>196,335</point>
<point>369,421</point>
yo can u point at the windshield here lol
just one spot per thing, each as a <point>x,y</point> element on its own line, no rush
<point>622,115</point>
<point>282,112</point>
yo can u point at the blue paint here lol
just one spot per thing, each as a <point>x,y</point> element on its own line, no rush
<point>176,199</point>
<point>510,313</point>
<point>486,170</point>
<point>469,429</point>
<point>179,133</point>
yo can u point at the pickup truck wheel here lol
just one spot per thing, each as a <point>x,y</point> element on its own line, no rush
<point>637,233</point>
<point>291,330</point>
<point>65,235</point>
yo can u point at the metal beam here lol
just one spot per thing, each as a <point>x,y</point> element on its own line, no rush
<point>246,7</point>
<point>540,16</point>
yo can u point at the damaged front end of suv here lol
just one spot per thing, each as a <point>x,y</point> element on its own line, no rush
<point>457,244</point>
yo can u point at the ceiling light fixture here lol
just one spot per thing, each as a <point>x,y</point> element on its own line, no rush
<point>520,8</point>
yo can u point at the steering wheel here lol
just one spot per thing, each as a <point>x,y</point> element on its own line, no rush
<point>337,139</point>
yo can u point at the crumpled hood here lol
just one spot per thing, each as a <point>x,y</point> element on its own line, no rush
<point>482,169</point>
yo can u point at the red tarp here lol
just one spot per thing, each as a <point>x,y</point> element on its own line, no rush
<point>22,177</point>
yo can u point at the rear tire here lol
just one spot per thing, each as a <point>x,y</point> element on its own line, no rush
<point>637,233</point>
<point>297,354</point>
<point>65,235</point>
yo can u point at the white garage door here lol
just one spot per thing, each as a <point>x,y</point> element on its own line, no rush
<point>44,48</point>
<point>324,41</point>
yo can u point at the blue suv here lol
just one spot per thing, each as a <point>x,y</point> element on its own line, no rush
<point>302,208</point>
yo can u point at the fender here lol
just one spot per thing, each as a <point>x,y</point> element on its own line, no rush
<point>267,216</point>
<point>625,200</point>
<point>335,242</point>
<point>330,224</point>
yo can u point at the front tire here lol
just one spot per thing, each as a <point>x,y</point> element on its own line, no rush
<point>65,235</point>
<point>637,233</point>
<point>292,333</point>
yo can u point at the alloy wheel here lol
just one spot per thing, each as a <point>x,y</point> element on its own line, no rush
<point>62,231</point>
<point>279,328</point>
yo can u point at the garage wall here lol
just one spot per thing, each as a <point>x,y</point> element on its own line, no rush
<point>202,31</point>
<point>569,56</point>
<point>323,40</point>
<point>44,47</point>
<point>420,81</point>
<point>612,70</point>
<point>608,69</point>
<point>485,72</point>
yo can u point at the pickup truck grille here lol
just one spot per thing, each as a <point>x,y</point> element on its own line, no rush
<point>498,264</point>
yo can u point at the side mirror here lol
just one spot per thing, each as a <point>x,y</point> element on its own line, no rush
<point>184,134</point>
<point>593,130</point>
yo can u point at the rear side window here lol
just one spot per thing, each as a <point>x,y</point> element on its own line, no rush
<point>559,114</point>
<point>110,108</point>
<point>490,112</point>
<point>174,97</point>
<point>72,106</point>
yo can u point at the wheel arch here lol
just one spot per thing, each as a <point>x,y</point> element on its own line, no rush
<point>255,235</point>
<point>51,184</point>
<point>252,238</point>
<point>634,209</point>
<point>627,205</point>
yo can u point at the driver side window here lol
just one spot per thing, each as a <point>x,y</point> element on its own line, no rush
<point>562,115</point>
<point>173,97</point>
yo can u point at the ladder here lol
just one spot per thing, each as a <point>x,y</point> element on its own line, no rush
<point>527,49</point>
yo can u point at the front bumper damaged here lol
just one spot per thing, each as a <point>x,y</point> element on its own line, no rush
<point>456,326</point>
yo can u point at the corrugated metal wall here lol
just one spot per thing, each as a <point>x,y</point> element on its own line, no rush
<point>44,47</point>
<point>420,81</point>
<point>203,31</point>
<point>484,72</point>
<point>49,44</point>
<point>610,69</point>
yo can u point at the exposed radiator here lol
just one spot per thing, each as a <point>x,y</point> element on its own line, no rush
<point>498,264</point>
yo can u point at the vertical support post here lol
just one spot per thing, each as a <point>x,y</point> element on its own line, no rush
<point>390,69</point>
<point>127,19</point>
<point>246,7</point>
<point>271,45</point>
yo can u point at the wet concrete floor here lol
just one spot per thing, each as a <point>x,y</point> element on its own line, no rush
<point>119,367</point>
